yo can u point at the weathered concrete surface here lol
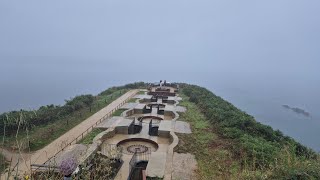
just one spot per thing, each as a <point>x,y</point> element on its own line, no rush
<point>139,106</point>
<point>180,109</point>
<point>169,163</point>
<point>164,128</point>
<point>116,121</point>
<point>184,166</point>
<point>165,125</point>
<point>156,165</point>
<point>174,98</point>
<point>182,127</point>
<point>175,108</point>
<point>143,96</point>
<point>129,105</point>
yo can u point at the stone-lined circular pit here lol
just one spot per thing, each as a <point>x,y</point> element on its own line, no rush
<point>137,148</point>
<point>139,145</point>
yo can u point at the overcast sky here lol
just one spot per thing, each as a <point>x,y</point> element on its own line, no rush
<point>278,36</point>
<point>258,54</point>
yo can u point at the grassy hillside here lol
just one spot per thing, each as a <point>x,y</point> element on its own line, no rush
<point>227,142</point>
<point>230,144</point>
<point>40,127</point>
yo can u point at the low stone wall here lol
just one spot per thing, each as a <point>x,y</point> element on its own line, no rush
<point>169,163</point>
<point>170,113</point>
<point>176,116</point>
<point>171,101</point>
<point>144,100</point>
<point>122,130</point>
<point>96,144</point>
<point>131,112</point>
<point>164,134</point>
<point>128,112</point>
<point>163,93</point>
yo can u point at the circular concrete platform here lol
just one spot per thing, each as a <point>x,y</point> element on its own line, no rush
<point>139,145</point>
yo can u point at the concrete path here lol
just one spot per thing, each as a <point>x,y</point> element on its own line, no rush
<point>157,164</point>
<point>42,155</point>
<point>14,157</point>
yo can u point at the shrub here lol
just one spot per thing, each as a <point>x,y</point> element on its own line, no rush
<point>251,137</point>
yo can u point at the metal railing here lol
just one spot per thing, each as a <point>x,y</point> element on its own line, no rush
<point>45,167</point>
<point>78,138</point>
<point>136,158</point>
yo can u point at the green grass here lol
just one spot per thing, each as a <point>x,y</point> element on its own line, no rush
<point>41,136</point>
<point>212,154</point>
<point>118,112</point>
<point>216,159</point>
<point>141,92</point>
<point>89,137</point>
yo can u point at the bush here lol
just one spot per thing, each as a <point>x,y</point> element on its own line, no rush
<point>10,121</point>
<point>45,114</point>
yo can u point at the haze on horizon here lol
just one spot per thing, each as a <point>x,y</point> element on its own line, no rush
<point>264,50</point>
<point>225,36</point>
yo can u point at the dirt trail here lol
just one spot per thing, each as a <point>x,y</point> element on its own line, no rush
<point>14,157</point>
<point>42,155</point>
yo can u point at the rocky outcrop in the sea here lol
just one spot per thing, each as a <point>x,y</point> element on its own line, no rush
<point>297,110</point>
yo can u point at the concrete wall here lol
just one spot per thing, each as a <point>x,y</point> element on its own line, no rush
<point>128,112</point>
<point>174,140</point>
<point>131,112</point>
<point>122,130</point>
<point>164,134</point>
<point>145,100</point>
<point>96,144</point>
<point>170,113</point>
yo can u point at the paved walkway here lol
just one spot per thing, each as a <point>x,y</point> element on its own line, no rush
<point>13,156</point>
<point>42,155</point>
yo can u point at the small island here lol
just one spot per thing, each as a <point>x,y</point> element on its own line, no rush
<point>297,110</point>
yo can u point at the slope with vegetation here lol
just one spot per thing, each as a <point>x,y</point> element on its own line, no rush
<point>230,144</point>
<point>227,142</point>
<point>40,127</point>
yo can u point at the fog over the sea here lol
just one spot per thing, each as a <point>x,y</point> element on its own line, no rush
<point>259,55</point>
